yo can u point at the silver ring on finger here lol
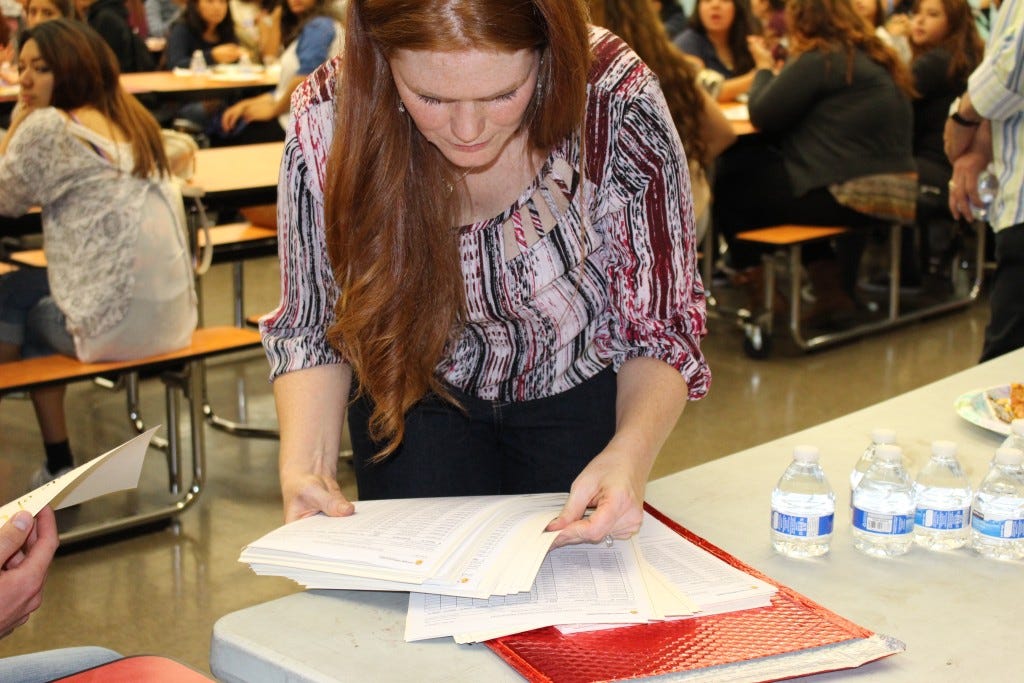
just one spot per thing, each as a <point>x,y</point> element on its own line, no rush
<point>609,541</point>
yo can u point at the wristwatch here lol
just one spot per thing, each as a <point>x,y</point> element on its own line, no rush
<point>954,113</point>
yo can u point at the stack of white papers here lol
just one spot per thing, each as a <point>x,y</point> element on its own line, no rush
<point>480,567</point>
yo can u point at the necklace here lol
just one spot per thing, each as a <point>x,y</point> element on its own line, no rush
<point>451,186</point>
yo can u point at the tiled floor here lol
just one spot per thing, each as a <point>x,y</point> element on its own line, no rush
<point>161,592</point>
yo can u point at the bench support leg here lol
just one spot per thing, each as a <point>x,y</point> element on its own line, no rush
<point>191,384</point>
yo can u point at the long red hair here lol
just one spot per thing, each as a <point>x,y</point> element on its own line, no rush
<point>390,212</point>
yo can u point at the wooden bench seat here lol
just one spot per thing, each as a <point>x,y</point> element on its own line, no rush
<point>182,373</point>
<point>231,242</point>
<point>33,373</point>
<point>786,235</point>
<point>787,241</point>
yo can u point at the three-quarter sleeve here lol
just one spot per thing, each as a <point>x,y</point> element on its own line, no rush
<point>657,298</point>
<point>295,333</point>
<point>30,172</point>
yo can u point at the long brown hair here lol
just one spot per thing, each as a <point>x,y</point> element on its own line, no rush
<point>637,23</point>
<point>85,73</point>
<point>834,26</point>
<point>390,210</point>
<point>962,41</point>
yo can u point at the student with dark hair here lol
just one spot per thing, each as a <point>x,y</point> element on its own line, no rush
<point>717,35</point>
<point>39,11</point>
<point>118,283</point>
<point>208,26</point>
<point>109,18</point>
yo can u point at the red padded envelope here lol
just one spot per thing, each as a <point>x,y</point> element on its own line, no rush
<point>793,623</point>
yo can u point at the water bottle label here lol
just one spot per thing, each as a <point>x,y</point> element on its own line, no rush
<point>998,528</point>
<point>942,519</point>
<point>881,523</point>
<point>805,527</point>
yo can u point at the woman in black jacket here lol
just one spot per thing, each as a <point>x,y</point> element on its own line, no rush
<point>836,122</point>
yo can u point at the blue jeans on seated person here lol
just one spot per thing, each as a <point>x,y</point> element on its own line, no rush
<point>38,667</point>
<point>30,318</point>
<point>487,447</point>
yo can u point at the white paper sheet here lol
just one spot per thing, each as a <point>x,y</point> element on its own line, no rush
<point>578,583</point>
<point>116,470</point>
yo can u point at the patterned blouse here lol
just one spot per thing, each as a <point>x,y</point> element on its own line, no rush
<point>552,297</point>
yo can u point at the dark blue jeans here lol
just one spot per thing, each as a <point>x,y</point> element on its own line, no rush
<point>488,447</point>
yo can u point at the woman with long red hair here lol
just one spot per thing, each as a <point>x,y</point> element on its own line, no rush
<point>487,239</point>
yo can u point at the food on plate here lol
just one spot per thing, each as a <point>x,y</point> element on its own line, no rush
<point>1007,405</point>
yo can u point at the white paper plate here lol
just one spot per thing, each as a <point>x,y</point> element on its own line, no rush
<point>975,407</point>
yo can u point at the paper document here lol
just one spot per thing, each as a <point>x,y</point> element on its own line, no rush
<point>116,470</point>
<point>470,546</point>
<point>575,583</point>
<point>702,581</point>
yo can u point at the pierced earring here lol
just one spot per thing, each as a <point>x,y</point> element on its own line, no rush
<point>401,106</point>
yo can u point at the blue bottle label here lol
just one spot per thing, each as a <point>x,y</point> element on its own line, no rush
<point>804,527</point>
<point>882,523</point>
<point>997,528</point>
<point>942,520</point>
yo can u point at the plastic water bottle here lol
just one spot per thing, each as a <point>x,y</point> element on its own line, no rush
<point>997,518</point>
<point>883,506</point>
<point>988,186</point>
<point>943,498</point>
<point>1016,437</point>
<point>803,507</point>
<point>198,63</point>
<point>879,436</point>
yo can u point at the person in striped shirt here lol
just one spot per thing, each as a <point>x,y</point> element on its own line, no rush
<point>986,126</point>
<point>486,238</point>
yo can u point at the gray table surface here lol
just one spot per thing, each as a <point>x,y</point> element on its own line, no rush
<point>959,615</point>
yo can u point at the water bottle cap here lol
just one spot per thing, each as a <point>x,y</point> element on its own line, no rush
<point>805,453</point>
<point>1017,427</point>
<point>881,435</point>
<point>944,449</point>
<point>1009,456</point>
<point>889,453</point>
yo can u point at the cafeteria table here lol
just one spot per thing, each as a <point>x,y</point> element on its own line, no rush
<point>171,84</point>
<point>958,614</point>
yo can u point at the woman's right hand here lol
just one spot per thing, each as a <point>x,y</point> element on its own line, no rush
<point>307,494</point>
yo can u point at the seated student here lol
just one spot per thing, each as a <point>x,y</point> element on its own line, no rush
<point>313,34</point>
<point>946,48</point>
<point>109,18</point>
<point>27,546</point>
<point>39,11</point>
<point>892,33</point>
<point>703,128</point>
<point>119,281</point>
<point>717,35</point>
<point>207,25</point>
<point>839,112</point>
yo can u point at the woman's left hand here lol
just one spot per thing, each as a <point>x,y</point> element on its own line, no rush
<point>611,484</point>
